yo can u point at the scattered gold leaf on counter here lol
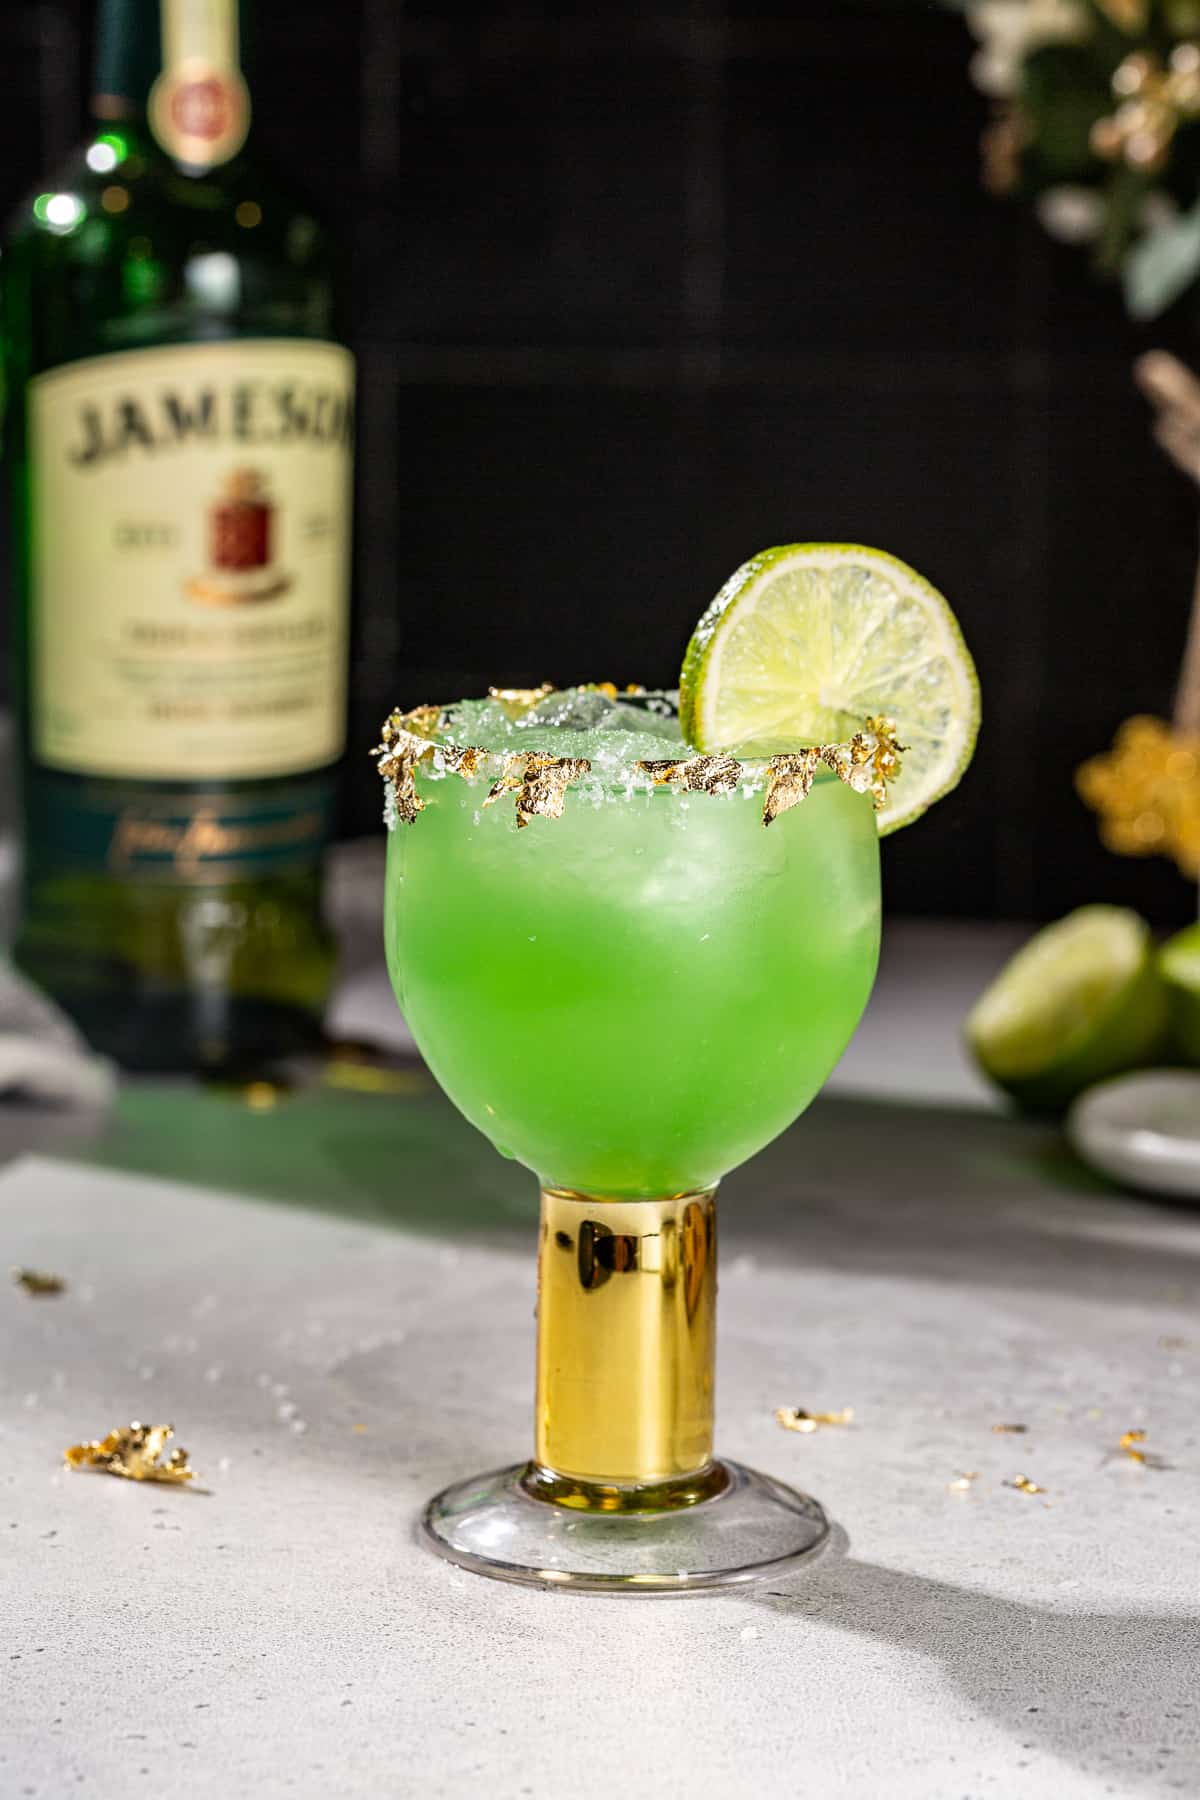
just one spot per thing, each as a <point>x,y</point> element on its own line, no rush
<point>133,1451</point>
<point>795,1418</point>
<point>36,1281</point>
<point>374,1078</point>
<point>1131,1442</point>
<point>1024,1485</point>
<point>962,1483</point>
<point>1018,1429</point>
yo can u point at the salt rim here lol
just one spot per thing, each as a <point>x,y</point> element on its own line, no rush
<point>865,763</point>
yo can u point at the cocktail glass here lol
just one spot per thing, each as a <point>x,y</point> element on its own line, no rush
<point>631,998</point>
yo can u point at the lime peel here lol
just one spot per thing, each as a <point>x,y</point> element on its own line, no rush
<point>1179,961</point>
<point>1082,1000</point>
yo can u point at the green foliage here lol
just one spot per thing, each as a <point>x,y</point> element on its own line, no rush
<point>1064,89</point>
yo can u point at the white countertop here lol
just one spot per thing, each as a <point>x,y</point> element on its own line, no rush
<point>906,1250</point>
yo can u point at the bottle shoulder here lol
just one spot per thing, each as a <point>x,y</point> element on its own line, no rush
<point>125,186</point>
<point>122,248</point>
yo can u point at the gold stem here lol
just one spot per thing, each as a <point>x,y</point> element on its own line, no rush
<point>626,1341</point>
<point>1187,694</point>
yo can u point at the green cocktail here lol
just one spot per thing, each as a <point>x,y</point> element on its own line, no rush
<point>631,956</point>
<point>635,997</point>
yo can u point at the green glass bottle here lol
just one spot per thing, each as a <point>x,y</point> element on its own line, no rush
<point>179,431</point>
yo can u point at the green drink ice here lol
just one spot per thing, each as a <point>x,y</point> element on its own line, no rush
<point>633,998</point>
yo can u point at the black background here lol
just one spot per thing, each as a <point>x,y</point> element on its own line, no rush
<point>637,293</point>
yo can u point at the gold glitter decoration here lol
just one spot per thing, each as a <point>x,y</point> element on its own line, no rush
<point>422,721</point>
<point>962,1483</point>
<point>396,758</point>
<point>795,1418</point>
<point>462,759</point>
<point>540,783</point>
<point>867,763</point>
<point>518,701</point>
<point>1017,1429</point>
<point>699,774</point>
<point>1154,100</point>
<point>789,781</point>
<point>133,1451</point>
<point>1147,793</point>
<point>35,1281</point>
<point>1131,1442</point>
<point>1024,1485</point>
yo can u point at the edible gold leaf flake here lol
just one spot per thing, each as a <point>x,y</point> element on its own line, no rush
<point>1131,1442</point>
<point>698,774</point>
<point>134,1452</point>
<point>422,721</point>
<point>462,759</point>
<point>1024,1485</point>
<point>797,1418</point>
<point>518,701</point>
<point>396,758</point>
<point>789,781</point>
<point>1015,1429</point>
<point>539,782</point>
<point>36,1281</point>
<point>867,763</point>
<point>963,1482</point>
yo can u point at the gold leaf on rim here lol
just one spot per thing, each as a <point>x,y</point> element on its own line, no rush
<point>698,774</point>
<point>540,783</point>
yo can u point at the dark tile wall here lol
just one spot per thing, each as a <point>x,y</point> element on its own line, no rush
<point>637,293</point>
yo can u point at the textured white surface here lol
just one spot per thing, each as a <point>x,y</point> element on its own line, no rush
<point>938,1270</point>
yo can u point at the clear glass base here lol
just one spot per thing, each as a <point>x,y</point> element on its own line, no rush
<point>753,1528</point>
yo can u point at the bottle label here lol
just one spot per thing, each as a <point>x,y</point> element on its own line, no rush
<point>187,836</point>
<point>199,108</point>
<point>191,549</point>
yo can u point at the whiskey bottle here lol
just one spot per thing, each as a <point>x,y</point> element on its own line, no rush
<point>179,429</point>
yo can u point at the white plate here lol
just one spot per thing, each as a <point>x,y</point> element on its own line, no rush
<point>1143,1129</point>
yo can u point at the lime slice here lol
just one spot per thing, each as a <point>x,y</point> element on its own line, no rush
<point>807,641</point>
<point>1082,1000</point>
<point>1179,960</point>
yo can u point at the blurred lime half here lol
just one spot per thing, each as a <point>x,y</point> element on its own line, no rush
<point>1179,961</point>
<point>1082,1000</point>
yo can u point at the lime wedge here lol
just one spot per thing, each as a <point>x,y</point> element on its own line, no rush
<point>1179,960</point>
<point>1082,1000</point>
<point>806,641</point>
